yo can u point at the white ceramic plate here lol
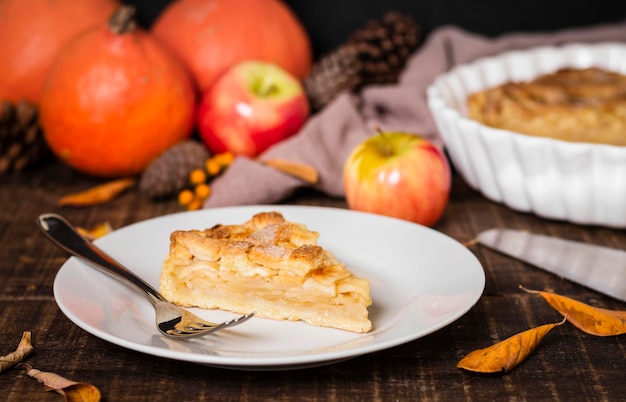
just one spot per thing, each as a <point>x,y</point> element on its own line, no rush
<point>421,281</point>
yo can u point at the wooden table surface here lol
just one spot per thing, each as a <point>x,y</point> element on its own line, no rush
<point>567,365</point>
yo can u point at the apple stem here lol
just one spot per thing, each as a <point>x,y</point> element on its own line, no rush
<point>267,87</point>
<point>387,150</point>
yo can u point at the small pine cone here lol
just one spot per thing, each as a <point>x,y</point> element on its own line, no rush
<point>384,45</point>
<point>22,143</point>
<point>337,71</point>
<point>375,54</point>
<point>169,173</point>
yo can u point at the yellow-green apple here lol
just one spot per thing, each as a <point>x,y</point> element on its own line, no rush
<point>251,107</point>
<point>400,175</point>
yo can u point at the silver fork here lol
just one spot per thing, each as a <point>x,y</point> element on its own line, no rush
<point>171,320</point>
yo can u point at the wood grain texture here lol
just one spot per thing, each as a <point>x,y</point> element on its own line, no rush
<point>568,365</point>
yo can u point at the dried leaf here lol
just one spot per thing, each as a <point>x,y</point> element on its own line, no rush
<point>295,169</point>
<point>98,194</point>
<point>95,232</point>
<point>503,356</point>
<point>589,319</point>
<point>72,391</point>
<point>24,349</point>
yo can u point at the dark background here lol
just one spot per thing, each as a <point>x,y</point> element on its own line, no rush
<point>329,22</point>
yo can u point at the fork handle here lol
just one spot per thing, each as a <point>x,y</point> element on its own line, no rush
<point>64,235</point>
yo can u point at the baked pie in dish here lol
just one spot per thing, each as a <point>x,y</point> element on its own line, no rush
<point>571,104</point>
<point>268,265</point>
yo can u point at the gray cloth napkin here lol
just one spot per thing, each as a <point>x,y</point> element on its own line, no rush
<point>327,138</point>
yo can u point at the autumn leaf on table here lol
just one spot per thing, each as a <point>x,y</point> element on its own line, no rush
<point>505,355</point>
<point>97,194</point>
<point>72,391</point>
<point>24,349</point>
<point>589,319</point>
<point>95,232</point>
<point>295,169</point>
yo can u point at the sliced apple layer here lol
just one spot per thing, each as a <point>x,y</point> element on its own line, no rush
<point>267,265</point>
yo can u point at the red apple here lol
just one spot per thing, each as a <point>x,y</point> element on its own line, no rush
<point>400,175</point>
<point>251,107</point>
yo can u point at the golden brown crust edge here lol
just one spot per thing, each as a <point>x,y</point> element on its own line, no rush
<point>577,105</point>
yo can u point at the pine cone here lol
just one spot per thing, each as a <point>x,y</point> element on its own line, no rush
<point>375,54</point>
<point>336,72</point>
<point>169,173</point>
<point>384,46</point>
<point>21,138</point>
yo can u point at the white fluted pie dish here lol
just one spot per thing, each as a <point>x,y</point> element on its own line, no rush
<point>582,183</point>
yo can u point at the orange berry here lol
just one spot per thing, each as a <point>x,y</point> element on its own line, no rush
<point>197,176</point>
<point>202,191</point>
<point>225,158</point>
<point>194,204</point>
<point>185,197</point>
<point>213,166</point>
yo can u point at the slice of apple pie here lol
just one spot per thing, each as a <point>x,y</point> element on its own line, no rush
<point>268,265</point>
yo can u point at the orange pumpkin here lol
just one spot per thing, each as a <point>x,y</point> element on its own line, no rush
<point>33,32</point>
<point>116,99</point>
<point>212,35</point>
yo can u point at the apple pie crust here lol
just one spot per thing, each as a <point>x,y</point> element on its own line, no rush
<point>578,105</point>
<point>268,265</point>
